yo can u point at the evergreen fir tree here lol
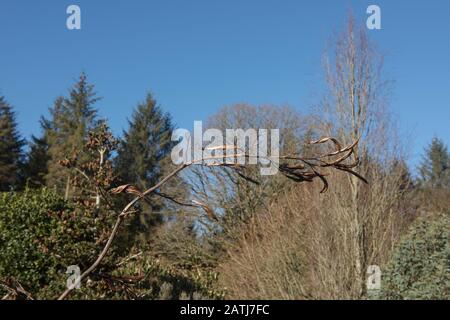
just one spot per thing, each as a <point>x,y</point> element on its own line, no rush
<point>11,145</point>
<point>145,144</point>
<point>70,121</point>
<point>142,155</point>
<point>435,166</point>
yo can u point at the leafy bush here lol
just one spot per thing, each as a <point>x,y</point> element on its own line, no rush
<point>419,268</point>
<point>41,235</point>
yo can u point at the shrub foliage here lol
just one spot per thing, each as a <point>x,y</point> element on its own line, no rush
<point>420,267</point>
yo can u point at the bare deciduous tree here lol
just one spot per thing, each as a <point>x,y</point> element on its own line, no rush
<point>226,190</point>
<point>355,107</point>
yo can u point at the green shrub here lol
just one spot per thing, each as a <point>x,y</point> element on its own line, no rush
<point>419,268</point>
<point>41,235</point>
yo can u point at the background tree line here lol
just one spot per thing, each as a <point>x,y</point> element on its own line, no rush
<point>270,239</point>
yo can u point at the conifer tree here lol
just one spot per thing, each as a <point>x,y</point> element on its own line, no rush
<point>142,155</point>
<point>70,121</point>
<point>35,167</point>
<point>435,166</point>
<point>11,144</point>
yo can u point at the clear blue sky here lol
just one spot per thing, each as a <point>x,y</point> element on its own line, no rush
<point>198,55</point>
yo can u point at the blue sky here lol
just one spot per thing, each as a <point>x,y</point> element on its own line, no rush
<point>198,55</point>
